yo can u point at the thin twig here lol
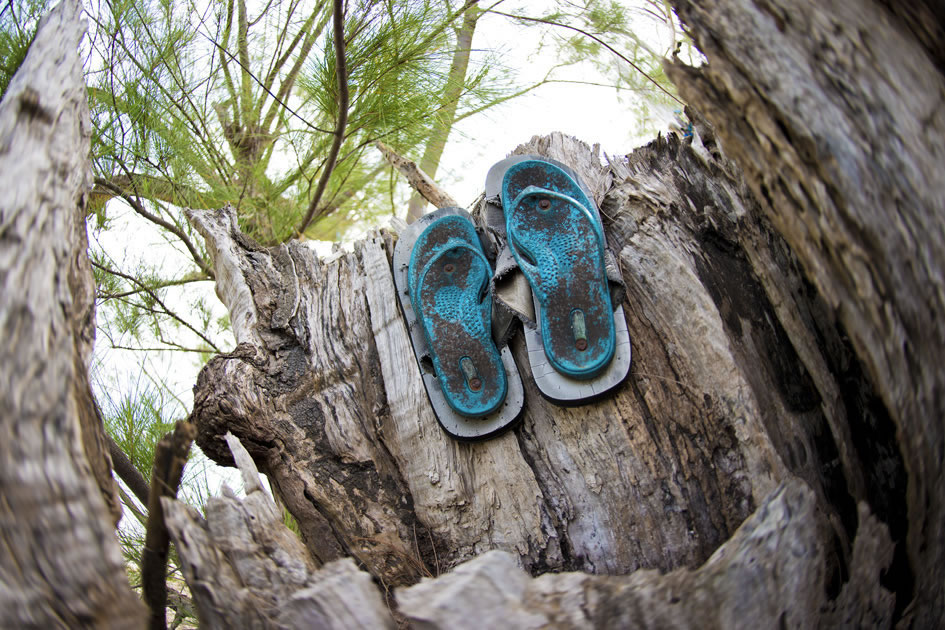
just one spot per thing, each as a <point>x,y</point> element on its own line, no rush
<point>157,299</point>
<point>342,72</point>
<point>262,85</point>
<point>436,559</point>
<point>163,284</point>
<point>167,225</point>
<point>596,39</point>
<point>140,516</point>
<point>175,348</point>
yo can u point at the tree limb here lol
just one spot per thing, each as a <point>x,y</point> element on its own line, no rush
<point>263,86</point>
<point>158,188</point>
<point>167,225</point>
<point>341,70</point>
<point>170,456</point>
<point>289,81</point>
<point>418,180</point>
<point>190,279</point>
<point>140,516</point>
<point>127,472</point>
<point>159,302</point>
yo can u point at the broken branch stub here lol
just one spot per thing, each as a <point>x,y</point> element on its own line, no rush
<point>245,568</point>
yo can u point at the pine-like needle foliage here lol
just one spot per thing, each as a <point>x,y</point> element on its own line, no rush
<point>201,104</point>
<point>196,104</point>
<point>18,22</point>
<point>627,41</point>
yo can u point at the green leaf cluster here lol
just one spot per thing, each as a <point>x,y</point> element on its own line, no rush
<point>200,104</point>
<point>18,24</point>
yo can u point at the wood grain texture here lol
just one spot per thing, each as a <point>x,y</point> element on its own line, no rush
<point>769,574</point>
<point>784,297</point>
<point>834,113</point>
<point>60,566</point>
<point>330,403</point>
<point>246,569</point>
<point>781,315</point>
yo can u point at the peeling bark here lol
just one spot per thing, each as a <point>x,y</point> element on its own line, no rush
<point>778,298</point>
<point>718,410</point>
<point>326,391</point>
<point>774,457</point>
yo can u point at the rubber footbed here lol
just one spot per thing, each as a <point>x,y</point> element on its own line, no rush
<point>566,271</point>
<point>454,307</point>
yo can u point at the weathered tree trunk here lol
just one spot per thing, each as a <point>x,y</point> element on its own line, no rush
<point>775,456</point>
<point>785,304</point>
<point>60,566</point>
<point>835,113</point>
<point>246,569</point>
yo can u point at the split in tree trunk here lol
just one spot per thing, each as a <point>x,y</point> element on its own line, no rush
<point>776,450</point>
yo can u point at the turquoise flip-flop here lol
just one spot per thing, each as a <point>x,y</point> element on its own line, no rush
<point>579,347</point>
<point>443,281</point>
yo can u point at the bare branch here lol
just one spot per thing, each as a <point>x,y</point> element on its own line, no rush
<point>262,85</point>
<point>341,71</point>
<point>242,46</point>
<point>158,285</point>
<point>127,472</point>
<point>418,180</point>
<point>154,296</point>
<point>158,188</point>
<point>599,41</point>
<point>293,74</point>
<point>170,456</point>
<point>167,225</point>
<point>140,516</point>
<point>443,124</point>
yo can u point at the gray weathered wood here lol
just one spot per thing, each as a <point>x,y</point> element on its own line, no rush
<point>786,303</point>
<point>60,566</point>
<point>834,112</point>
<point>730,395</point>
<point>246,569</point>
<point>603,487</point>
<point>770,574</point>
<point>784,296</point>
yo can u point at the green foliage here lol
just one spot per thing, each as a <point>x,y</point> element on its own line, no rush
<point>144,309</point>
<point>18,24</point>
<point>626,41</point>
<point>137,416</point>
<point>197,106</point>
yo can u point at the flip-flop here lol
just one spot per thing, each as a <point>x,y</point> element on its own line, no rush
<point>579,345</point>
<point>443,284</point>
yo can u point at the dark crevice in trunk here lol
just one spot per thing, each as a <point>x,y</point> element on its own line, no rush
<point>750,318</point>
<point>874,438</point>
